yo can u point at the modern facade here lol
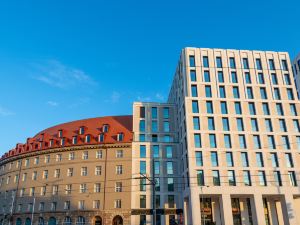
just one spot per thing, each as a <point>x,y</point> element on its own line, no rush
<point>72,173</point>
<point>224,149</point>
<point>296,70</point>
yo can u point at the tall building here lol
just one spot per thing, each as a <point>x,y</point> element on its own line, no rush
<point>238,122</point>
<point>296,69</point>
<point>224,150</point>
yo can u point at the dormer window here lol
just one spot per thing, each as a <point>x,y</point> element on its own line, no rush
<point>81,130</point>
<point>62,141</point>
<point>51,143</point>
<point>101,138</point>
<point>60,133</point>
<point>120,137</point>
<point>74,140</point>
<point>105,128</point>
<point>41,144</point>
<point>88,138</point>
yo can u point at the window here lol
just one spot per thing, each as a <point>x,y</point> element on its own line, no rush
<point>170,168</point>
<point>277,94</point>
<point>252,110</point>
<point>290,94</point>
<point>120,137</point>
<point>193,75</point>
<point>259,159</point>
<point>101,137</point>
<point>292,178</point>
<point>236,93</point>
<point>229,159</point>
<point>289,160</point>
<point>271,64</point>
<point>298,142</point>
<point>166,113</point>
<point>119,169</point>
<point>66,205</point>
<point>224,108</point>
<point>142,151</point>
<point>34,175</point>
<point>247,178</point>
<point>26,162</point>
<point>261,79</point>
<point>274,78</point>
<point>242,141</point>
<point>57,173</point>
<point>240,124</point>
<point>248,78</point>
<point>142,112</point>
<point>244,156</point>
<point>199,158</point>
<point>216,177</point>
<point>238,108</point>
<point>263,93</point>
<point>211,123</point>
<point>142,201</point>
<point>225,123</point>
<point>271,142</point>
<point>208,93</point>
<point>170,184</point>
<point>195,108</point>
<point>209,107</point>
<point>156,151</point>
<point>262,178</point>
<point>222,92</point>
<point>231,178</point>
<point>214,159</point>
<point>245,63</point>
<point>169,152</point>
<point>154,112</point>
<point>258,64</point>
<point>85,155</point>
<point>287,79</point>
<point>197,140</point>
<point>227,141</point>
<point>212,140</point>
<point>45,174</point>
<point>36,161</point>
<point>98,154</point>
<point>54,189</point>
<point>266,108</point>
<point>156,168</point>
<point>232,63</point>
<point>83,188</point>
<point>200,177</point>
<point>196,123</point>
<point>219,62</point>
<point>98,170</point>
<point>119,153</point>
<point>70,172</point>
<point>194,91</point>
<point>154,126</point>
<point>205,62</point>
<point>171,201</point>
<point>284,65</point>
<point>206,76</point>
<point>68,189</point>
<point>282,125</point>
<point>285,142</point>
<point>269,127</point>
<point>166,126</point>
<point>254,124</point>
<point>157,184</point>
<point>220,77</point>
<point>296,126</point>
<point>105,128</point>
<point>71,155</point>
<point>81,207</point>
<point>192,60</point>
<point>274,160</point>
<point>293,109</point>
<point>256,142</point>
<point>234,78</point>
<point>249,93</point>
<point>279,109</point>
<point>118,203</point>
<point>118,187</point>
<point>41,207</point>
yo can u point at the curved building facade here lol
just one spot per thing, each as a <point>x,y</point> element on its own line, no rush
<point>74,173</point>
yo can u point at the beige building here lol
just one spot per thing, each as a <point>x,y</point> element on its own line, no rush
<point>73,173</point>
<point>238,118</point>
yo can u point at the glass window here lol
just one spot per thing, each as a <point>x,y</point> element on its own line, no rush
<point>222,92</point>
<point>195,108</point>
<point>285,142</point>
<point>219,62</point>
<point>220,77</point>
<point>143,167</point>
<point>209,107</point>
<point>142,126</point>
<point>242,141</point>
<point>236,93</point>
<point>154,126</point>
<point>293,109</point>
<point>268,124</point>
<point>274,78</point>
<point>224,108</point>
<point>271,64</point>
<point>192,60</point>
<point>248,78</point>
<point>256,142</point>
<point>197,140</point>
<point>216,177</point>
<point>227,141</point>
<point>229,159</point>
<point>206,76</point>
<point>200,178</point>
<point>212,141</point>
<point>231,178</point>
<point>240,124</point>
<point>277,178</point>
<point>292,178</point>
<point>196,123</point>
<point>263,93</point>
<point>154,112</point>
<point>247,178</point>
<point>211,123</point>
<point>277,94</point>
<point>290,94</point>
<point>232,63</point>
<point>262,178</point>
<point>169,152</point>
<point>274,160</point>
<point>245,63</point>
<point>205,62</point>
<point>234,78</point>
<point>258,64</point>
<point>244,156</point>
<point>249,93</point>
<point>287,79</point>
<point>194,91</point>
<point>214,159</point>
<point>238,108</point>
<point>252,109</point>
<point>259,159</point>
<point>208,93</point>
<point>142,137</point>
<point>284,65</point>
<point>296,126</point>
<point>170,184</point>
<point>166,113</point>
<point>289,160</point>
<point>193,75</point>
<point>156,151</point>
<point>199,158</point>
<point>279,109</point>
<point>170,169</point>
<point>266,108</point>
<point>225,123</point>
<point>254,124</point>
<point>156,168</point>
<point>282,125</point>
<point>166,126</point>
<point>271,142</point>
<point>142,201</point>
<point>261,79</point>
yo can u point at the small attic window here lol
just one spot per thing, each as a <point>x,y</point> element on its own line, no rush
<point>60,133</point>
<point>51,143</point>
<point>81,130</point>
<point>62,141</point>
<point>74,140</point>
<point>120,137</point>
<point>105,128</point>
<point>88,138</point>
<point>101,138</point>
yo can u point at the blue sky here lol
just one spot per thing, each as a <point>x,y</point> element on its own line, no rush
<point>67,60</point>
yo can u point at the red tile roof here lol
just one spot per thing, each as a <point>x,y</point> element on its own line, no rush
<point>92,127</point>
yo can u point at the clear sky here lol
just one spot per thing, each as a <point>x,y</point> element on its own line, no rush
<point>63,60</point>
